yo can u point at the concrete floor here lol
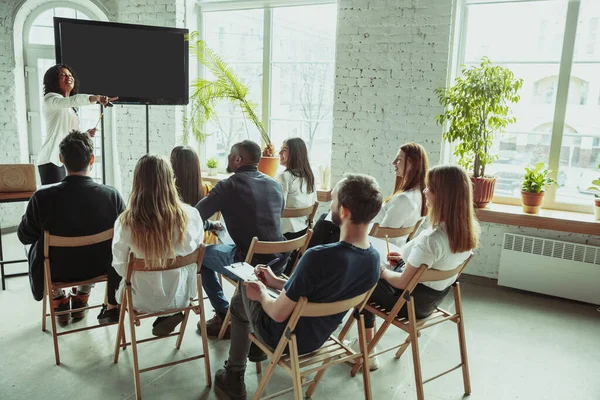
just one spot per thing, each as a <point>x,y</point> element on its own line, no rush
<point>521,346</point>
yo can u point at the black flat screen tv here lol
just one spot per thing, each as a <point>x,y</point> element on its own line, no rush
<point>141,64</point>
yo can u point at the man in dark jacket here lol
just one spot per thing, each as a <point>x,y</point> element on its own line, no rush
<point>77,206</point>
<point>251,204</point>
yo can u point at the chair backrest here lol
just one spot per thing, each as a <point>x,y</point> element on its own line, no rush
<point>308,212</point>
<point>379,232</point>
<point>433,275</point>
<point>16,178</point>
<point>416,228</point>
<point>259,247</point>
<point>138,264</point>
<point>75,241</point>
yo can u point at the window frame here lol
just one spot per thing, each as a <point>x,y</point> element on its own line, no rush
<point>207,6</point>
<point>562,91</point>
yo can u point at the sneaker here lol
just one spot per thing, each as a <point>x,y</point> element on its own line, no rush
<point>164,326</point>
<point>78,301</point>
<point>255,354</point>
<point>62,303</point>
<point>355,346</point>
<point>213,327</point>
<point>108,316</point>
<point>231,383</point>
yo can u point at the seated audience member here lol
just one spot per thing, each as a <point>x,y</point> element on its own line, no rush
<point>251,204</point>
<point>298,183</point>
<point>157,226</point>
<point>77,206</point>
<point>328,273</point>
<point>453,234</point>
<point>403,208</point>
<point>188,179</point>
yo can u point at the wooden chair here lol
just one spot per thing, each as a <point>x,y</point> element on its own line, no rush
<point>308,212</point>
<point>50,286</point>
<point>380,232</point>
<point>258,247</point>
<point>331,353</point>
<point>413,326</point>
<point>135,317</point>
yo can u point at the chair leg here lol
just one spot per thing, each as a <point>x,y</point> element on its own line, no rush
<point>136,366</point>
<point>346,328</point>
<point>378,335</point>
<point>265,379</point>
<point>44,302</point>
<point>295,364</point>
<point>258,365</point>
<point>403,348</point>
<point>412,319</point>
<point>182,329</point>
<point>205,351</point>
<point>52,320</point>
<point>462,340</point>
<point>121,340</point>
<point>365,358</point>
<point>226,320</point>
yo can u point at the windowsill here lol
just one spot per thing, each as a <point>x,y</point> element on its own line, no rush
<point>322,195</point>
<point>564,221</point>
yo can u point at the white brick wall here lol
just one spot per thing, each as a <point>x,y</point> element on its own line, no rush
<point>391,55</point>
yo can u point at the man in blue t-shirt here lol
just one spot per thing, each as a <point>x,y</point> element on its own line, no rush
<point>328,273</point>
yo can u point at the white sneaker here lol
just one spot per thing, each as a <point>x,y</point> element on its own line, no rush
<point>355,346</point>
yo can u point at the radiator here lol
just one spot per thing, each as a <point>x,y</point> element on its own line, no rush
<point>552,267</point>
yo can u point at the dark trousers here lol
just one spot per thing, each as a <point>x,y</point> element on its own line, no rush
<point>290,236</point>
<point>426,300</point>
<point>51,173</point>
<point>324,232</point>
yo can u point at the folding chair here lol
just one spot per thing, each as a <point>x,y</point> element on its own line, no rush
<point>308,212</point>
<point>50,286</point>
<point>135,317</point>
<point>331,353</point>
<point>258,247</point>
<point>380,232</point>
<point>414,326</point>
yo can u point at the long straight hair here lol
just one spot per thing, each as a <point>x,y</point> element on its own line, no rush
<point>188,178</point>
<point>415,166</point>
<point>155,215</point>
<point>298,163</point>
<point>453,206</point>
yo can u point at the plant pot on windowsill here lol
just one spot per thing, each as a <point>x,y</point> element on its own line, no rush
<point>483,191</point>
<point>597,207</point>
<point>212,171</point>
<point>532,201</point>
<point>268,165</point>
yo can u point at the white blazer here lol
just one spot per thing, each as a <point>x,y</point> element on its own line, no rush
<point>60,121</point>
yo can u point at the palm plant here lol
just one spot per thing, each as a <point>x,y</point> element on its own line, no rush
<point>226,86</point>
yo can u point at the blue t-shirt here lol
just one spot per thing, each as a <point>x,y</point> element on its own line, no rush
<point>328,273</point>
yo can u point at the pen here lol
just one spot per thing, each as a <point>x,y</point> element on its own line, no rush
<point>273,261</point>
<point>101,115</point>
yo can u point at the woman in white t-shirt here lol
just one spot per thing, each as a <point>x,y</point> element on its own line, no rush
<point>157,226</point>
<point>61,107</point>
<point>448,242</point>
<point>298,183</point>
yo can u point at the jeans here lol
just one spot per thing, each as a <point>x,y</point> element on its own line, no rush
<point>216,257</point>
<point>245,317</point>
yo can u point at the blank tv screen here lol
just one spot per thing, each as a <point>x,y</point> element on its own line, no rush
<point>139,63</point>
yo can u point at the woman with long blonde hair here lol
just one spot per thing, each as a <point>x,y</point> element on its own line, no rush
<point>447,243</point>
<point>157,226</point>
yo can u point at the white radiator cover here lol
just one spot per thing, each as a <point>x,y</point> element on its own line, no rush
<point>552,267</point>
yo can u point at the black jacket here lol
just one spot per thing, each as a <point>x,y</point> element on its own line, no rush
<point>77,206</point>
<point>251,204</point>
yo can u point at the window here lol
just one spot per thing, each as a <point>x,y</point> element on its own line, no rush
<point>39,56</point>
<point>286,55</point>
<point>533,49</point>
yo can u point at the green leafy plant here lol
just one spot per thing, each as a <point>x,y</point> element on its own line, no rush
<point>536,179</point>
<point>595,186</point>
<point>477,110</point>
<point>225,86</point>
<point>212,163</point>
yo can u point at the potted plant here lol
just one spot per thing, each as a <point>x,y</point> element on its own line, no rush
<point>212,164</point>
<point>224,86</point>
<point>476,110</point>
<point>596,188</point>
<point>533,189</point>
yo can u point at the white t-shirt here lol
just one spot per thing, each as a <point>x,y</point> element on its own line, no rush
<point>401,211</point>
<point>295,196</point>
<point>60,120</point>
<point>432,248</point>
<point>159,291</point>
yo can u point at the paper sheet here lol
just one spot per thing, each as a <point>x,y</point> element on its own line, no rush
<point>245,272</point>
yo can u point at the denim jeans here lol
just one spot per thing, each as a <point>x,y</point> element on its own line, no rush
<point>216,257</point>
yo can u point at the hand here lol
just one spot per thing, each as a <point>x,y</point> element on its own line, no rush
<point>254,290</point>
<point>92,132</point>
<point>104,100</point>
<point>217,226</point>
<point>265,275</point>
<point>394,258</point>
